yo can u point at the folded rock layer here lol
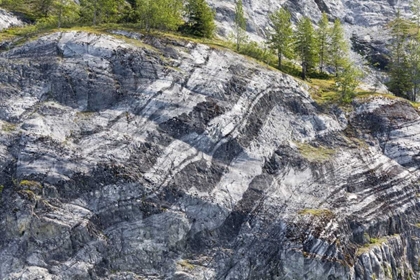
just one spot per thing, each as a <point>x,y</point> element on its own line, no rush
<point>159,158</point>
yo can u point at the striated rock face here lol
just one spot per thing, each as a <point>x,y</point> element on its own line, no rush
<point>166,159</point>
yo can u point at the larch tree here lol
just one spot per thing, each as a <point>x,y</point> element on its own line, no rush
<point>338,48</point>
<point>347,80</point>
<point>323,37</point>
<point>413,61</point>
<point>400,81</point>
<point>281,38</point>
<point>306,46</point>
<point>415,7</point>
<point>240,24</point>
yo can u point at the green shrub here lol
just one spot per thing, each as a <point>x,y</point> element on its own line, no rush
<point>254,50</point>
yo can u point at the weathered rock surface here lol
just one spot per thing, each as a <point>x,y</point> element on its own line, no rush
<point>8,20</point>
<point>165,159</point>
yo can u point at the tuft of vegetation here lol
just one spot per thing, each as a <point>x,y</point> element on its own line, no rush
<point>30,184</point>
<point>372,242</point>
<point>315,154</point>
<point>186,265</point>
<point>324,91</point>
<point>317,212</point>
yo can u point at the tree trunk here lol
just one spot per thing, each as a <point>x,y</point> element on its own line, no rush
<point>95,12</point>
<point>279,56</point>
<point>60,14</point>
<point>304,70</point>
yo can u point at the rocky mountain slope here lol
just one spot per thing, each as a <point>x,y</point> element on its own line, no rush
<point>369,16</point>
<point>158,158</point>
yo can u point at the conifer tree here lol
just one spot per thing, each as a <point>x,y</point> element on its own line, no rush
<point>159,14</point>
<point>200,19</point>
<point>306,46</point>
<point>400,82</point>
<point>281,39</point>
<point>101,11</point>
<point>339,49</point>
<point>413,61</point>
<point>240,24</point>
<point>57,12</point>
<point>415,7</point>
<point>12,4</point>
<point>347,80</point>
<point>323,40</point>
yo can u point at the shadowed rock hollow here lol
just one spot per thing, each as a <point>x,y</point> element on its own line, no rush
<point>166,159</point>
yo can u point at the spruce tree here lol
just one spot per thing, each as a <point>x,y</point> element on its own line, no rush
<point>240,24</point>
<point>339,49</point>
<point>323,37</point>
<point>281,39</point>
<point>200,19</point>
<point>306,46</point>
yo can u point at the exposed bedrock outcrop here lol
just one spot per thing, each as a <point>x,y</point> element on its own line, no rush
<point>8,19</point>
<point>163,158</point>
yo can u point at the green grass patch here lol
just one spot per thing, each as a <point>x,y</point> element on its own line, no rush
<point>315,154</point>
<point>323,91</point>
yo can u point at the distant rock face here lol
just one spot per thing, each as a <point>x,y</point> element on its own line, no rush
<point>166,159</point>
<point>8,20</point>
<point>365,22</point>
<point>360,13</point>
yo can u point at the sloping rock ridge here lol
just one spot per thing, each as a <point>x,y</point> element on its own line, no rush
<point>165,159</point>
